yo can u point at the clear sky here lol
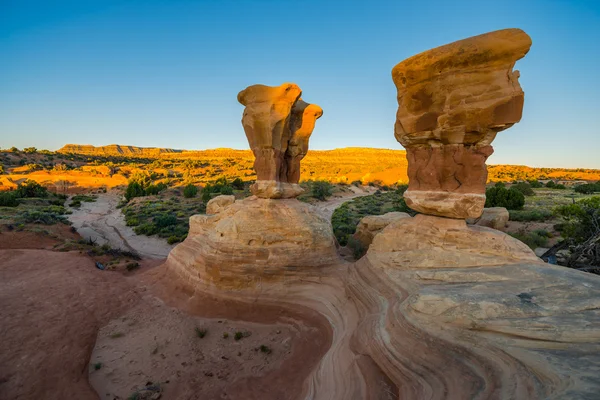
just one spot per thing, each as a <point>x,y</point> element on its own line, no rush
<point>167,73</point>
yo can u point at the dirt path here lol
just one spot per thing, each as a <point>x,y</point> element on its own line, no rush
<point>103,222</point>
<point>326,208</point>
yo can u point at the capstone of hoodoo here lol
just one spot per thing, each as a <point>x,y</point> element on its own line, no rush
<point>452,101</point>
<point>278,125</point>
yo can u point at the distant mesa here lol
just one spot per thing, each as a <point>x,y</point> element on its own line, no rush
<point>115,150</point>
<point>452,101</point>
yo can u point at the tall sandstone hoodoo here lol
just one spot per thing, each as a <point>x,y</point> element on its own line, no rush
<point>278,125</point>
<point>452,101</point>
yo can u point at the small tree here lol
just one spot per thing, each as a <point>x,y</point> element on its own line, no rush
<point>510,199</point>
<point>524,188</point>
<point>321,190</point>
<point>190,191</point>
<point>134,189</point>
<point>30,150</point>
<point>31,188</point>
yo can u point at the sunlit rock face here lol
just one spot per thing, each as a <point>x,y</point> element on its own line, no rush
<point>278,125</point>
<point>452,101</point>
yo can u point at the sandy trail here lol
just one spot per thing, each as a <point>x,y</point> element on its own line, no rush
<point>104,223</point>
<point>326,208</point>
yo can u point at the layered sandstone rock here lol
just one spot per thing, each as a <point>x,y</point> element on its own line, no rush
<point>371,225</point>
<point>278,125</point>
<point>452,101</point>
<point>252,241</point>
<point>492,217</point>
<point>219,203</point>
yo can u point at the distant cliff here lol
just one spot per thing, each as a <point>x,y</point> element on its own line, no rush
<point>116,150</point>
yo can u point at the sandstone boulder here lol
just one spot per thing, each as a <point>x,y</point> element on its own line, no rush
<point>493,217</point>
<point>371,225</point>
<point>219,203</point>
<point>278,125</point>
<point>252,241</point>
<point>452,101</point>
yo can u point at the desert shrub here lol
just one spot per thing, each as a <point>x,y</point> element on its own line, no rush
<point>357,247</point>
<point>537,238</point>
<point>530,215</point>
<point>30,150</point>
<point>76,200</point>
<point>524,188</point>
<point>588,188</point>
<point>550,184</point>
<point>220,186</point>
<point>582,219</point>
<point>190,191</point>
<point>13,150</point>
<point>9,199</point>
<point>151,189</point>
<point>162,221</point>
<point>132,221</point>
<point>147,229</point>
<point>321,190</point>
<point>560,186</point>
<point>499,184</point>
<point>1,169</point>
<point>238,184</point>
<point>134,189</point>
<point>46,216</point>
<point>175,239</point>
<point>30,189</point>
<point>510,199</point>
<point>536,184</point>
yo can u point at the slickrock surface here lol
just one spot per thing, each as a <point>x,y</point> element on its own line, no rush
<point>492,217</point>
<point>219,203</point>
<point>278,125</point>
<point>371,225</point>
<point>452,101</point>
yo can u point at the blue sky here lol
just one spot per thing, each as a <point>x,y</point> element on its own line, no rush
<point>167,73</point>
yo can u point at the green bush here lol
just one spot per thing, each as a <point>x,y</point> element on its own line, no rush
<point>524,188</point>
<point>31,189</point>
<point>530,215</point>
<point>588,188</point>
<point>357,247</point>
<point>9,199</point>
<point>550,184</point>
<point>321,190</point>
<point>163,221</point>
<point>190,191</point>
<point>151,190</point>
<point>238,184</point>
<point>134,189</point>
<point>536,184</point>
<point>538,238</point>
<point>511,199</point>
<point>582,219</point>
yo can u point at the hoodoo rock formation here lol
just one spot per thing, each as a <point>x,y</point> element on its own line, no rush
<point>278,125</point>
<point>436,309</point>
<point>452,101</point>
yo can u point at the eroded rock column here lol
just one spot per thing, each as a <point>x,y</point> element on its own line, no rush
<point>278,125</point>
<point>452,101</point>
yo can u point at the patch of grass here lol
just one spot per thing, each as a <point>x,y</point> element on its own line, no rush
<point>265,349</point>
<point>201,332</point>
<point>535,239</point>
<point>117,335</point>
<point>240,335</point>
<point>530,215</point>
<point>132,266</point>
<point>225,335</point>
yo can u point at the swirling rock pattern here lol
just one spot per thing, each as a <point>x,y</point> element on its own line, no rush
<point>452,101</point>
<point>278,125</point>
<point>436,309</point>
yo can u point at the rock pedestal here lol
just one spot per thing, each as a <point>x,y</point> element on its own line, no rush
<point>452,101</point>
<point>278,125</point>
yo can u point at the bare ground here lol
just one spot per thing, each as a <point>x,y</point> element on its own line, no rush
<point>104,223</point>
